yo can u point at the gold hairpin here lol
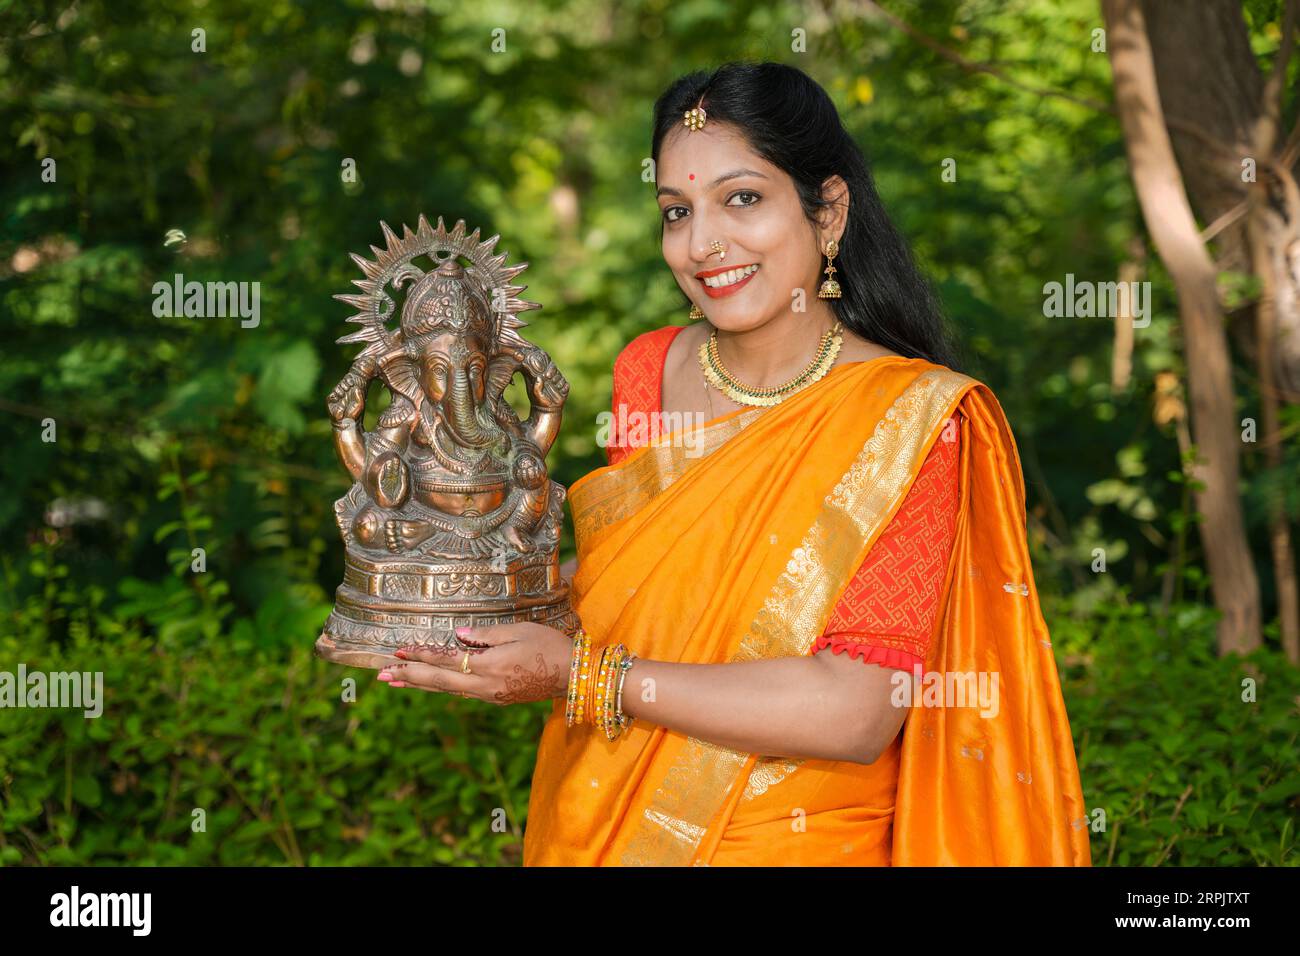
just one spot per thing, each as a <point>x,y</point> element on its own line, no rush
<point>695,117</point>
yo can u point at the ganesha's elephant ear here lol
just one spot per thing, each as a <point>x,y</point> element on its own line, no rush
<point>400,375</point>
<point>500,371</point>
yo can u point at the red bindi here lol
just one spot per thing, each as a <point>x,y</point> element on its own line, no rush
<point>692,177</point>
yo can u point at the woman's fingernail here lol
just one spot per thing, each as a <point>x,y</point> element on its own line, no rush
<point>383,675</point>
<point>398,683</point>
<point>401,654</point>
<point>463,631</point>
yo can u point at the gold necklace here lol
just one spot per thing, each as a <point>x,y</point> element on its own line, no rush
<point>716,374</point>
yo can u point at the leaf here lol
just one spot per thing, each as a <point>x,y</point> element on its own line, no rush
<point>1282,790</point>
<point>287,378</point>
<point>86,791</point>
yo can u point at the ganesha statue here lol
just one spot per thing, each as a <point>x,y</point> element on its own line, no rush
<point>451,519</point>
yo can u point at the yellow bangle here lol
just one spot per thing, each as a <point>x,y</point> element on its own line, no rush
<point>580,677</point>
<point>595,690</point>
<point>581,649</point>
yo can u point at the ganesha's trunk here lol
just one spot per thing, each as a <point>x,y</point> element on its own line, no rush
<point>465,422</point>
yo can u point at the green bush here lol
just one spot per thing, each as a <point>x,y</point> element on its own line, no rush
<point>1187,771</point>
<point>260,739</point>
<point>252,729</point>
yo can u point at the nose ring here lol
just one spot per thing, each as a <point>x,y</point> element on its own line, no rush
<point>719,248</point>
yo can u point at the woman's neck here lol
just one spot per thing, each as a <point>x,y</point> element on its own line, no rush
<point>778,350</point>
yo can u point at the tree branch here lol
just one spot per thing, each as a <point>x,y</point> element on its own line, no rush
<point>1269,125</point>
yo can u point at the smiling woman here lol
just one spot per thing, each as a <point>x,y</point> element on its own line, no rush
<point>848,491</point>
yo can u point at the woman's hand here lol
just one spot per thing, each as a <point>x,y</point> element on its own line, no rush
<point>508,664</point>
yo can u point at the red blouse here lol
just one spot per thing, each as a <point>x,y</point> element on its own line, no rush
<point>887,613</point>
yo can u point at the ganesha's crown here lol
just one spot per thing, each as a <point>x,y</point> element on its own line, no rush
<point>445,301</point>
<point>481,293</point>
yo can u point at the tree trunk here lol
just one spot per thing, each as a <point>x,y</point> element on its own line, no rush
<point>1209,79</point>
<point>1169,219</point>
<point>1121,358</point>
<point>1279,530</point>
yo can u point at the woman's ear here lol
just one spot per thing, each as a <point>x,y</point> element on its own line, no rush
<point>834,217</point>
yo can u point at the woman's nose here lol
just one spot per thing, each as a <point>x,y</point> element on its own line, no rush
<point>702,241</point>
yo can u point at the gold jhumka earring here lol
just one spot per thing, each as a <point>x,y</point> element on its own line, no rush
<point>830,288</point>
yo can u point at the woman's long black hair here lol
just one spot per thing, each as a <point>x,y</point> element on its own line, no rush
<point>790,121</point>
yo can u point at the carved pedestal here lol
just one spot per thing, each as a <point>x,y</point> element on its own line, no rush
<point>386,603</point>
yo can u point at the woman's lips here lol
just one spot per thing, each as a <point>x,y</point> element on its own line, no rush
<point>720,292</point>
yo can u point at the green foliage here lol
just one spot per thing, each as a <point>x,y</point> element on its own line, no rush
<point>1188,769</point>
<point>253,731</point>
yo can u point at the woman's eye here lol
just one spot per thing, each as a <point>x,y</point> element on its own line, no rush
<point>668,213</point>
<point>755,198</point>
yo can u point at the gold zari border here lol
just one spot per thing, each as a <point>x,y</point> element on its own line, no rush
<point>671,828</point>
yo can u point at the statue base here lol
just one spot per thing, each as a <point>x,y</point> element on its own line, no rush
<point>387,603</point>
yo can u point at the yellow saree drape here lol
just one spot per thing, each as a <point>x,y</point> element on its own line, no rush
<point>737,546</point>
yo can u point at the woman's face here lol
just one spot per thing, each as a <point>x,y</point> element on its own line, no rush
<point>712,186</point>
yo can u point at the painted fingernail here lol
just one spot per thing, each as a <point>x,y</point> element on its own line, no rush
<point>383,675</point>
<point>463,631</point>
<point>398,683</point>
<point>401,654</point>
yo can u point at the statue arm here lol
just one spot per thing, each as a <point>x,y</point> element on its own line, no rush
<point>542,426</point>
<point>547,391</point>
<point>350,445</point>
<point>347,403</point>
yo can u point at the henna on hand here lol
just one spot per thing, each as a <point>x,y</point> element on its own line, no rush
<point>541,683</point>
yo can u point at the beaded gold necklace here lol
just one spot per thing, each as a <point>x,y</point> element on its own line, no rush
<point>716,374</point>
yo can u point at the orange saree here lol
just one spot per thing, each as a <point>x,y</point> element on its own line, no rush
<point>734,541</point>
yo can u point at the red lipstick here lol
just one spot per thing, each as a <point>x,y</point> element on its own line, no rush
<point>724,291</point>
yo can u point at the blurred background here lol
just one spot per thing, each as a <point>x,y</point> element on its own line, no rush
<point>271,143</point>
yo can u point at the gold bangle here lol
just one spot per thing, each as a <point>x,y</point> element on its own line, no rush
<point>609,717</point>
<point>606,701</point>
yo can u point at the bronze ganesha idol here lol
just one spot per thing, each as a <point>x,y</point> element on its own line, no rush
<point>451,519</point>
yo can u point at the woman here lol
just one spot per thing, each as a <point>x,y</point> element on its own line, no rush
<point>833,539</point>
